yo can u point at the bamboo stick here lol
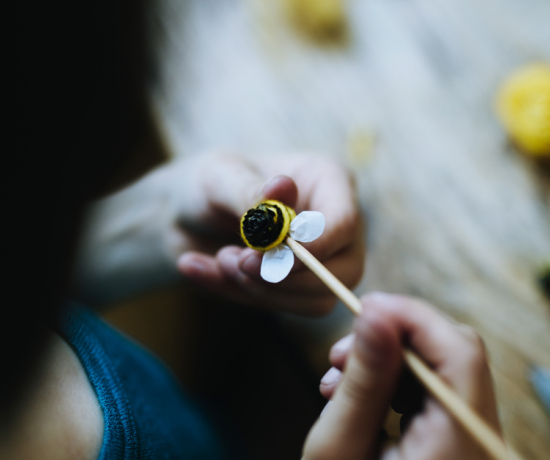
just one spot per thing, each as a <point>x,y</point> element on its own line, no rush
<point>472,423</point>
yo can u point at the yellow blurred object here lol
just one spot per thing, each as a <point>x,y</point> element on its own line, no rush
<point>321,20</point>
<point>523,105</point>
<point>361,144</point>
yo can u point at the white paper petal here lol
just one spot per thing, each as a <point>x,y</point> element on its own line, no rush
<point>277,263</point>
<point>307,226</point>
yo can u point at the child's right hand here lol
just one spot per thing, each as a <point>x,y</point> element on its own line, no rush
<point>361,394</point>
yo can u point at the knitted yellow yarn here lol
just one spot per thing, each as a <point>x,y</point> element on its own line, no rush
<point>523,105</point>
<point>266,225</point>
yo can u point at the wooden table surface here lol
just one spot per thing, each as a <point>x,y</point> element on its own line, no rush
<point>456,215</point>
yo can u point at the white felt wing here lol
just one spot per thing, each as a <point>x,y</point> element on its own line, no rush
<point>307,226</point>
<point>277,263</point>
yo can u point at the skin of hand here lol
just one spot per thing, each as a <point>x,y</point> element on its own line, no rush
<point>365,376</point>
<point>223,187</point>
<point>184,217</point>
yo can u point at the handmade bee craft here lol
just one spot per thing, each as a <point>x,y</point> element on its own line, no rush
<point>266,227</point>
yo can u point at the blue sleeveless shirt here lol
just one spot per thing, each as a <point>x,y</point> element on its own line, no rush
<point>146,414</point>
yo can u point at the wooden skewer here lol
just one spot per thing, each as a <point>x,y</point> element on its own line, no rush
<point>470,421</point>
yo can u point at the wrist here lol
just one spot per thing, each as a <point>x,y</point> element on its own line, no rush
<point>126,246</point>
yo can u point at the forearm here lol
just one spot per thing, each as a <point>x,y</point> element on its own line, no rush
<point>129,244</point>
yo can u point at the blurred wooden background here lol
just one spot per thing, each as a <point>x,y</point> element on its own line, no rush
<point>404,94</point>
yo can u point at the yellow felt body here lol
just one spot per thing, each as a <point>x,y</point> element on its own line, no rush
<point>288,215</point>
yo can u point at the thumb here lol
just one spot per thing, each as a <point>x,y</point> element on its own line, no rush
<point>350,426</point>
<point>235,186</point>
<point>281,188</point>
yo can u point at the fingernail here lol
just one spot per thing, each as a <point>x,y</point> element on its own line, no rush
<point>259,194</point>
<point>342,345</point>
<point>332,376</point>
<point>191,266</point>
<point>229,259</point>
<point>251,265</point>
<point>184,259</point>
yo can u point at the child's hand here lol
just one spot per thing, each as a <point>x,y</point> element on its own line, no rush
<point>218,189</point>
<point>361,394</point>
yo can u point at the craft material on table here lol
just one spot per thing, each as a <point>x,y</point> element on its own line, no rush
<point>524,108</point>
<point>324,21</point>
